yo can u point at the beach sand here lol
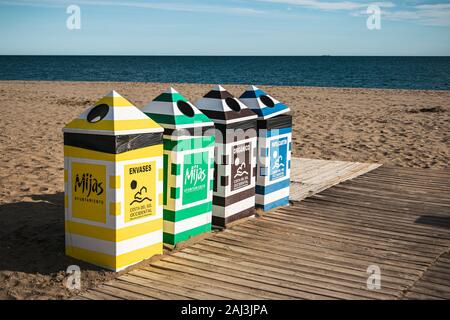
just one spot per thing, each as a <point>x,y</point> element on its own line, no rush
<point>395,127</point>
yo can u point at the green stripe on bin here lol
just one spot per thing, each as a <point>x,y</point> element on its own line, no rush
<point>171,119</point>
<point>175,169</point>
<point>182,236</point>
<point>165,165</point>
<point>175,193</point>
<point>169,97</point>
<point>175,216</point>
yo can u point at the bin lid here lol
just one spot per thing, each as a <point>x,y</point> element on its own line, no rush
<point>113,115</point>
<point>171,110</point>
<point>264,105</point>
<point>222,107</point>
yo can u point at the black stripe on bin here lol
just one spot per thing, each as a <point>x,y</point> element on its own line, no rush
<point>215,177</point>
<point>112,144</point>
<point>227,131</point>
<point>226,201</point>
<point>225,159</point>
<point>254,172</point>
<point>228,115</point>
<point>213,94</point>
<point>222,222</point>
<point>198,131</point>
<point>224,181</point>
<point>244,125</point>
<point>278,122</point>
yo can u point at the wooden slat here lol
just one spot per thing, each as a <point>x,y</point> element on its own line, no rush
<point>435,282</point>
<point>359,262</point>
<point>316,233</point>
<point>310,176</point>
<point>328,248</point>
<point>225,289</point>
<point>281,271</point>
<point>421,296</point>
<point>306,264</point>
<point>185,288</point>
<point>220,282</point>
<point>156,289</point>
<point>290,288</point>
<point>149,293</point>
<point>120,292</point>
<point>240,278</point>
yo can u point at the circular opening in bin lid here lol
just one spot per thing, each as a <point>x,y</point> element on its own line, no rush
<point>97,113</point>
<point>233,104</point>
<point>185,108</point>
<point>267,101</point>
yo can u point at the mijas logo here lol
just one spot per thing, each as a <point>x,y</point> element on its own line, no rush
<point>88,184</point>
<point>195,175</point>
<point>278,158</point>
<point>241,168</point>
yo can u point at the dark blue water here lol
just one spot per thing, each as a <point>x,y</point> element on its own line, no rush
<point>367,72</point>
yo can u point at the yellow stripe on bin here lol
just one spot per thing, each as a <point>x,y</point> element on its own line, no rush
<point>147,152</point>
<point>112,125</point>
<point>114,262</point>
<point>115,208</point>
<point>160,199</point>
<point>66,201</point>
<point>66,176</point>
<point>115,102</point>
<point>114,182</point>
<point>161,174</point>
<point>114,235</point>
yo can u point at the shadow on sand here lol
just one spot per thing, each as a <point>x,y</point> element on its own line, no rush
<point>32,236</point>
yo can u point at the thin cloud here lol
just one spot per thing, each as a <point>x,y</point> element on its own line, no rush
<point>436,6</point>
<point>430,15</point>
<point>326,5</point>
<point>437,14</point>
<point>182,7</point>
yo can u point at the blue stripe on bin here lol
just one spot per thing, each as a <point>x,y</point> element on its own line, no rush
<point>278,203</point>
<point>277,108</point>
<point>252,94</point>
<point>273,187</point>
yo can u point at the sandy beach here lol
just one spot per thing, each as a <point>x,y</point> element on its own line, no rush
<point>408,128</point>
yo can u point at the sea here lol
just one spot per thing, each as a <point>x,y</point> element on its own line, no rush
<point>323,71</point>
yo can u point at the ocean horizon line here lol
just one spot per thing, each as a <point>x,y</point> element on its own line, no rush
<point>389,72</point>
<point>218,55</point>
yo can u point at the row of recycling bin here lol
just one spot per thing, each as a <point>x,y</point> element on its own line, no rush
<point>138,178</point>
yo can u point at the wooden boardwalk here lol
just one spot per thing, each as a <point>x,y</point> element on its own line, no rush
<point>310,176</point>
<point>320,248</point>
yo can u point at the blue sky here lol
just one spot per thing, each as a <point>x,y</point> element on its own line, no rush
<point>219,27</point>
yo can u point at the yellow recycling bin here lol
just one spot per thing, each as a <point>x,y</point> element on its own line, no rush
<point>113,176</point>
